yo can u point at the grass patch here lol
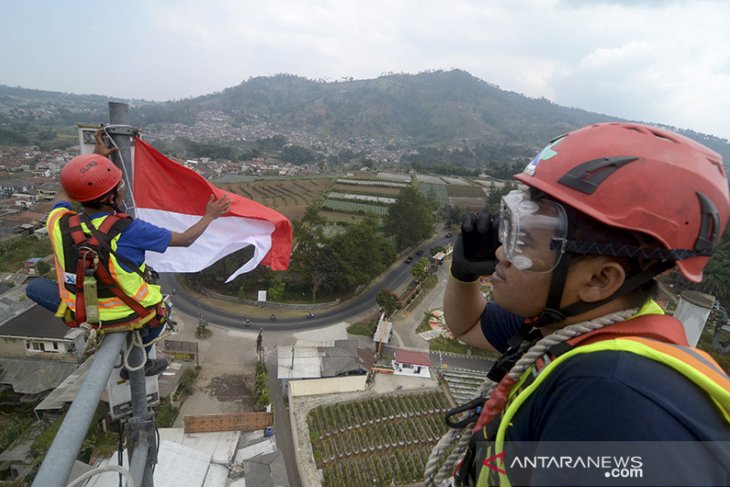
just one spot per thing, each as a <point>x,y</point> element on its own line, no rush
<point>364,328</point>
<point>165,415</point>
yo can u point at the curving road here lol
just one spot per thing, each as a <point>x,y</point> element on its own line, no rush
<point>397,275</point>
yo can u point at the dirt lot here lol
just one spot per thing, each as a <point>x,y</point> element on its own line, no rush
<point>225,382</point>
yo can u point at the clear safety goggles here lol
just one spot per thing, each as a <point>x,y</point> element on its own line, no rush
<point>528,229</point>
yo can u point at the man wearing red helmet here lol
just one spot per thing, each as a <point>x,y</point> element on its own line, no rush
<point>96,183</point>
<point>587,354</point>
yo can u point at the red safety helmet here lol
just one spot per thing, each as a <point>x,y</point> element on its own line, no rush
<point>642,179</point>
<point>89,177</point>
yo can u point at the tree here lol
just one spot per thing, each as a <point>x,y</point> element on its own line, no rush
<point>421,269</point>
<point>494,197</point>
<point>716,275</point>
<point>298,155</point>
<point>276,289</point>
<point>362,252</point>
<point>42,267</point>
<point>410,219</point>
<point>314,260</point>
<point>387,300</point>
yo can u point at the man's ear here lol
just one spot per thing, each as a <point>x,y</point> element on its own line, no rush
<point>605,278</point>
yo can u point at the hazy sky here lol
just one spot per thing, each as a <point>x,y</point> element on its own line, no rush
<point>658,61</point>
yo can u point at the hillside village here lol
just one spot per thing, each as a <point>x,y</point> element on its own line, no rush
<point>29,180</point>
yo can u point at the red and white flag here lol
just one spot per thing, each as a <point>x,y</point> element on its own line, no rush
<point>172,196</point>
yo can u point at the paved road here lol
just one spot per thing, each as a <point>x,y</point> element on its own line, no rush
<point>395,277</point>
<point>282,425</point>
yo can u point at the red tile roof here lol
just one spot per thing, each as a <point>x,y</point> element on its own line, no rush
<point>413,358</point>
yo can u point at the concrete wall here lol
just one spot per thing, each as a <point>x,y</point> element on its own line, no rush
<point>312,387</point>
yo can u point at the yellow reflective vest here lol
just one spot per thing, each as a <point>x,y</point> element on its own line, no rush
<point>114,313</point>
<point>694,364</point>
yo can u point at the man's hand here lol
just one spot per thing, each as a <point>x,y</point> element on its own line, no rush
<point>216,208</point>
<point>101,147</point>
<point>213,210</point>
<point>474,247</point>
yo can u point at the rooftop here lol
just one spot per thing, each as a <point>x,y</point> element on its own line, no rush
<point>412,357</point>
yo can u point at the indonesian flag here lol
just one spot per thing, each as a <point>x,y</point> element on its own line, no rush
<point>172,196</point>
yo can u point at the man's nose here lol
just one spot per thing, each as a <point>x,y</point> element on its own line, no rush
<point>499,253</point>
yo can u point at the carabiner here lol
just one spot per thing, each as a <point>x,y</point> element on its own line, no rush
<point>474,405</point>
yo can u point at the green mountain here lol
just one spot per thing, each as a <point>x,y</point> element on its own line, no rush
<point>447,109</point>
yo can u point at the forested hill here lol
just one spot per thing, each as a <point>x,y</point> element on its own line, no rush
<point>438,109</point>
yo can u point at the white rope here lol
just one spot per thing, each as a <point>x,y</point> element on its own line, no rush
<point>525,362</point>
<point>109,468</point>
<point>136,341</point>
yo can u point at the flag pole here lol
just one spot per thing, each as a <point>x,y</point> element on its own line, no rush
<point>121,132</point>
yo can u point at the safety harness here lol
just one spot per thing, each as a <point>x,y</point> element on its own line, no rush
<point>654,336</point>
<point>89,254</point>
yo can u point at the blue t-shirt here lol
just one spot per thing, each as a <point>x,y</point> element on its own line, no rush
<point>617,396</point>
<point>136,239</point>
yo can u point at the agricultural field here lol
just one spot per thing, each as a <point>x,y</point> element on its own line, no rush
<point>347,200</point>
<point>438,190</point>
<point>468,197</point>
<point>381,441</point>
<point>371,190</point>
<point>347,206</point>
<point>290,197</point>
<point>372,182</point>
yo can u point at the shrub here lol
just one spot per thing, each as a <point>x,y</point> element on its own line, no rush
<point>165,415</point>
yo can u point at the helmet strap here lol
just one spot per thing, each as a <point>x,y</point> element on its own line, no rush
<point>631,283</point>
<point>554,314</point>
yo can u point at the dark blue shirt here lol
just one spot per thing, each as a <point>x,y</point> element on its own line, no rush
<point>618,396</point>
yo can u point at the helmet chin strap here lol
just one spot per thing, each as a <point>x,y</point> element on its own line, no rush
<point>553,313</point>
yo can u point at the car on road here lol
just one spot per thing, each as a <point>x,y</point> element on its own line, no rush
<point>409,259</point>
<point>448,235</point>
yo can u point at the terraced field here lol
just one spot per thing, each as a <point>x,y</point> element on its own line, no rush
<point>381,441</point>
<point>287,196</point>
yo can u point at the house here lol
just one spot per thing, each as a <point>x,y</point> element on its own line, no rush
<point>47,192</point>
<point>24,229</point>
<point>412,363</point>
<point>29,266</point>
<point>339,363</point>
<point>35,333</point>
<point>16,185</point>
<point>24,200</point>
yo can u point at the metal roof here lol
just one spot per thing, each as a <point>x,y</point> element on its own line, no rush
<point>32,376</point>
<point>24,318</point>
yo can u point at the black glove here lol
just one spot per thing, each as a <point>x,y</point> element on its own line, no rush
<point>474,247</point>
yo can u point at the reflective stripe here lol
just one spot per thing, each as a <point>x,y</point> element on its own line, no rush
<point>54,232</point>
<point>682,359</point>
<point>696,353</point>
<point>677,357</point>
